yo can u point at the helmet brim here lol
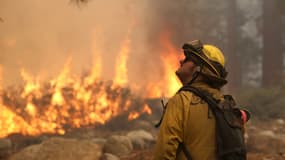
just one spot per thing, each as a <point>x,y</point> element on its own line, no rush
<point>189,51</point>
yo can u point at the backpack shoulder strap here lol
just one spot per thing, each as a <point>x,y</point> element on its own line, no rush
<point>202,94</point>
<point>205,96</point>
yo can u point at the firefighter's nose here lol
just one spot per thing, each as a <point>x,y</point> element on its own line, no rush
<point>181,62</point>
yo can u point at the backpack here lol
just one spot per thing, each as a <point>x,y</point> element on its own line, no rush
<point>229,126</point>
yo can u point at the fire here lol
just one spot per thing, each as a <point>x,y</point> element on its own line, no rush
<point>57,98</point>
<point>31,84</point>
<point>171,63</point>
<point>136,114</point>
<point>31,109</point>
<point>133,115</point>
<point>10,122</point>
<point>121,76</point>
<point>97,67</point>
<point>95,72</point>
<point>1,73</point>
<point>146,109</point>
<point>169,57</point>
<point>70,101</point>
<point>64,101</point>
<point>171,80</point>
<point>121,70</point>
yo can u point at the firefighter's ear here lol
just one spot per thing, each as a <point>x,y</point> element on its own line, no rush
<point>198,69</point>
<point>196,72</point>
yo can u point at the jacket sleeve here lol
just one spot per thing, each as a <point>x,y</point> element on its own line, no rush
<point>170,133</point>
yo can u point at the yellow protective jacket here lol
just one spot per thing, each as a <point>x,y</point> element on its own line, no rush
<point>188,119</point>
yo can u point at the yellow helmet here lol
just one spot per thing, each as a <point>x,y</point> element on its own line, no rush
<point>207,54</point>
<point>213,53</point>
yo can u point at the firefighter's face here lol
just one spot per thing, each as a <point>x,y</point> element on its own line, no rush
<point>186,70</point>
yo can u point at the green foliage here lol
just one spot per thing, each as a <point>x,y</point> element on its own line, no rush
<point>264,103</point>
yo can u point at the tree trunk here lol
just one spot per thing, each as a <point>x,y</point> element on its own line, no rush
<point>234,61</point>
<point>272,45</point>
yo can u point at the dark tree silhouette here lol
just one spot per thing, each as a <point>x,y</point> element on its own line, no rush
<point>272,44</point>
<point>234,62</point>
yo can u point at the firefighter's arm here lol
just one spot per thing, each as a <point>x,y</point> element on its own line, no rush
<point>170,133</point>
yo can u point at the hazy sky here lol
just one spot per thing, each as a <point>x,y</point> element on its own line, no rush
<point>41,35</point>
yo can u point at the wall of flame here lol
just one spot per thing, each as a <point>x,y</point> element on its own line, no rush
<point>69,67</point>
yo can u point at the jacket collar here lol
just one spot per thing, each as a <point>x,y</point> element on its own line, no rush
<point>216,93</point>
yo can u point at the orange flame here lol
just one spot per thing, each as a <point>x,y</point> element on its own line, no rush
<point>1,75</point>
<point>84,106</point>
<point>97,67</point>
<point>31,109</point>
<point>146,109</point>
<point>133,115</point>
<point>121,68</point>
<point>121,75</point>
<point>170,57</point>
<point>31,84</point>
<point>69,101</point>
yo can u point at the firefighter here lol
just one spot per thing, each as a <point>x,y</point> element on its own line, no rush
<point>187,119</point>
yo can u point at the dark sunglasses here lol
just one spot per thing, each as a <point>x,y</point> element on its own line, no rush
<point>190,58</point>
<point>186,59</point>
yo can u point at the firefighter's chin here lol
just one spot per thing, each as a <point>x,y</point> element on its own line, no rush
<point>183,76</point>
<point>180,76</point>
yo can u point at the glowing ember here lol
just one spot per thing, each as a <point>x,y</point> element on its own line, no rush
<point>146,109</point>
<point>133,115</point>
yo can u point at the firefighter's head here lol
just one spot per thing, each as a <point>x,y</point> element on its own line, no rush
<point>202,59</point>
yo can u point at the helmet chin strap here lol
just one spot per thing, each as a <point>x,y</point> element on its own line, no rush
<point>196,74</point>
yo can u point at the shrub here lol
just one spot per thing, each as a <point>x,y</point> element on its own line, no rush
<point>263,103</point>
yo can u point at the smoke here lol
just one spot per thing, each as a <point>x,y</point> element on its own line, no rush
<point>40,36</point>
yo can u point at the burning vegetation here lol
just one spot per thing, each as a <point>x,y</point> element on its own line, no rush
<point>65,102</point>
